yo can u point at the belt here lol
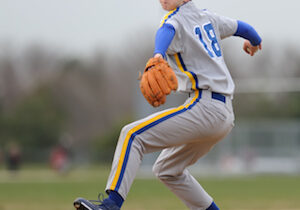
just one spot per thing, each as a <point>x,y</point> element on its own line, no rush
<point>216,96</point>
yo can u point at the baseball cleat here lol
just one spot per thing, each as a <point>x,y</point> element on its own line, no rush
<point>82,204</point>
<point>106,204</point>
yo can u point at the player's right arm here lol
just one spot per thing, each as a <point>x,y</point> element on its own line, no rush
<point>253,42</point>
<point>231,27</point>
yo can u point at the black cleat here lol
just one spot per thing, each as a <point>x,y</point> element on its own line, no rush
<point>106,204</point>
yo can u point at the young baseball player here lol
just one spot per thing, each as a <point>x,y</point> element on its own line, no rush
<point>189,40</point>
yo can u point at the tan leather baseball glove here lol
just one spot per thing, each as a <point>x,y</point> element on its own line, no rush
<point>158,80</point>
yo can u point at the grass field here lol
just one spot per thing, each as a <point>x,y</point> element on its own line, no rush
<point>42,189</point>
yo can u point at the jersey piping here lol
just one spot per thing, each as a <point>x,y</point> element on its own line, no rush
<point>168,16</point>
<point>190,74</point>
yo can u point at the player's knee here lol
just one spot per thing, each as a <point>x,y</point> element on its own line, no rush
<point>162,174</point>
<point>125,130</point>
<point>137,144</point>
<point>156,170</point>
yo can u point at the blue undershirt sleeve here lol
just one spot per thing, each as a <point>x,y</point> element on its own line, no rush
<point>248,32</point>
<point>163,39</point>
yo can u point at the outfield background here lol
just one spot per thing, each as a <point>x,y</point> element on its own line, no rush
<point>39,188</point>
<point>68,84</point>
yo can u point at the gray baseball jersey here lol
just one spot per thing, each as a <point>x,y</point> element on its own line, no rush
<point>185,133</point>
<point>195,52</point>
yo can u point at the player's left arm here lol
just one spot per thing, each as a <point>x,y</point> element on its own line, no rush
<point>163,39</point>
<point>159,79</point>
<point>253,41</point>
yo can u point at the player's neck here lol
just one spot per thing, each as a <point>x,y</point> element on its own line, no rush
<point>184,2</point>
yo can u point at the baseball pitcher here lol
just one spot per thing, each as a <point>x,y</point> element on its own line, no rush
<point>188,57</point>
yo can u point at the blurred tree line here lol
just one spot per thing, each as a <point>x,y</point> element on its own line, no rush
<point>48,98</point>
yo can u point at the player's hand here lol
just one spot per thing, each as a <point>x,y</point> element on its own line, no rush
<point>250,49</point>
<point>158,55</point>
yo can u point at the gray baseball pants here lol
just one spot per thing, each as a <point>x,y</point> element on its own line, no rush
<point>184,134</point>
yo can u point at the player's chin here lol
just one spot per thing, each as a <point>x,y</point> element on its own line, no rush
<point>167,7</point>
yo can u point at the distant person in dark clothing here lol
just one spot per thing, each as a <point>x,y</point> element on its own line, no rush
<point>13,157</point>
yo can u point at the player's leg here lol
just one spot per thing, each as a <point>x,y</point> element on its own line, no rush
<point>133,161</point>
<point>128,155</point>
<point>170,168</point>
<point>136,154</point>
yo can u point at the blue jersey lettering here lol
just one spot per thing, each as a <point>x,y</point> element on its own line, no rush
<point>211,35</point>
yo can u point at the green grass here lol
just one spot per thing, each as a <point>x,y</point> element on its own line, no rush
<point>43,189</point>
